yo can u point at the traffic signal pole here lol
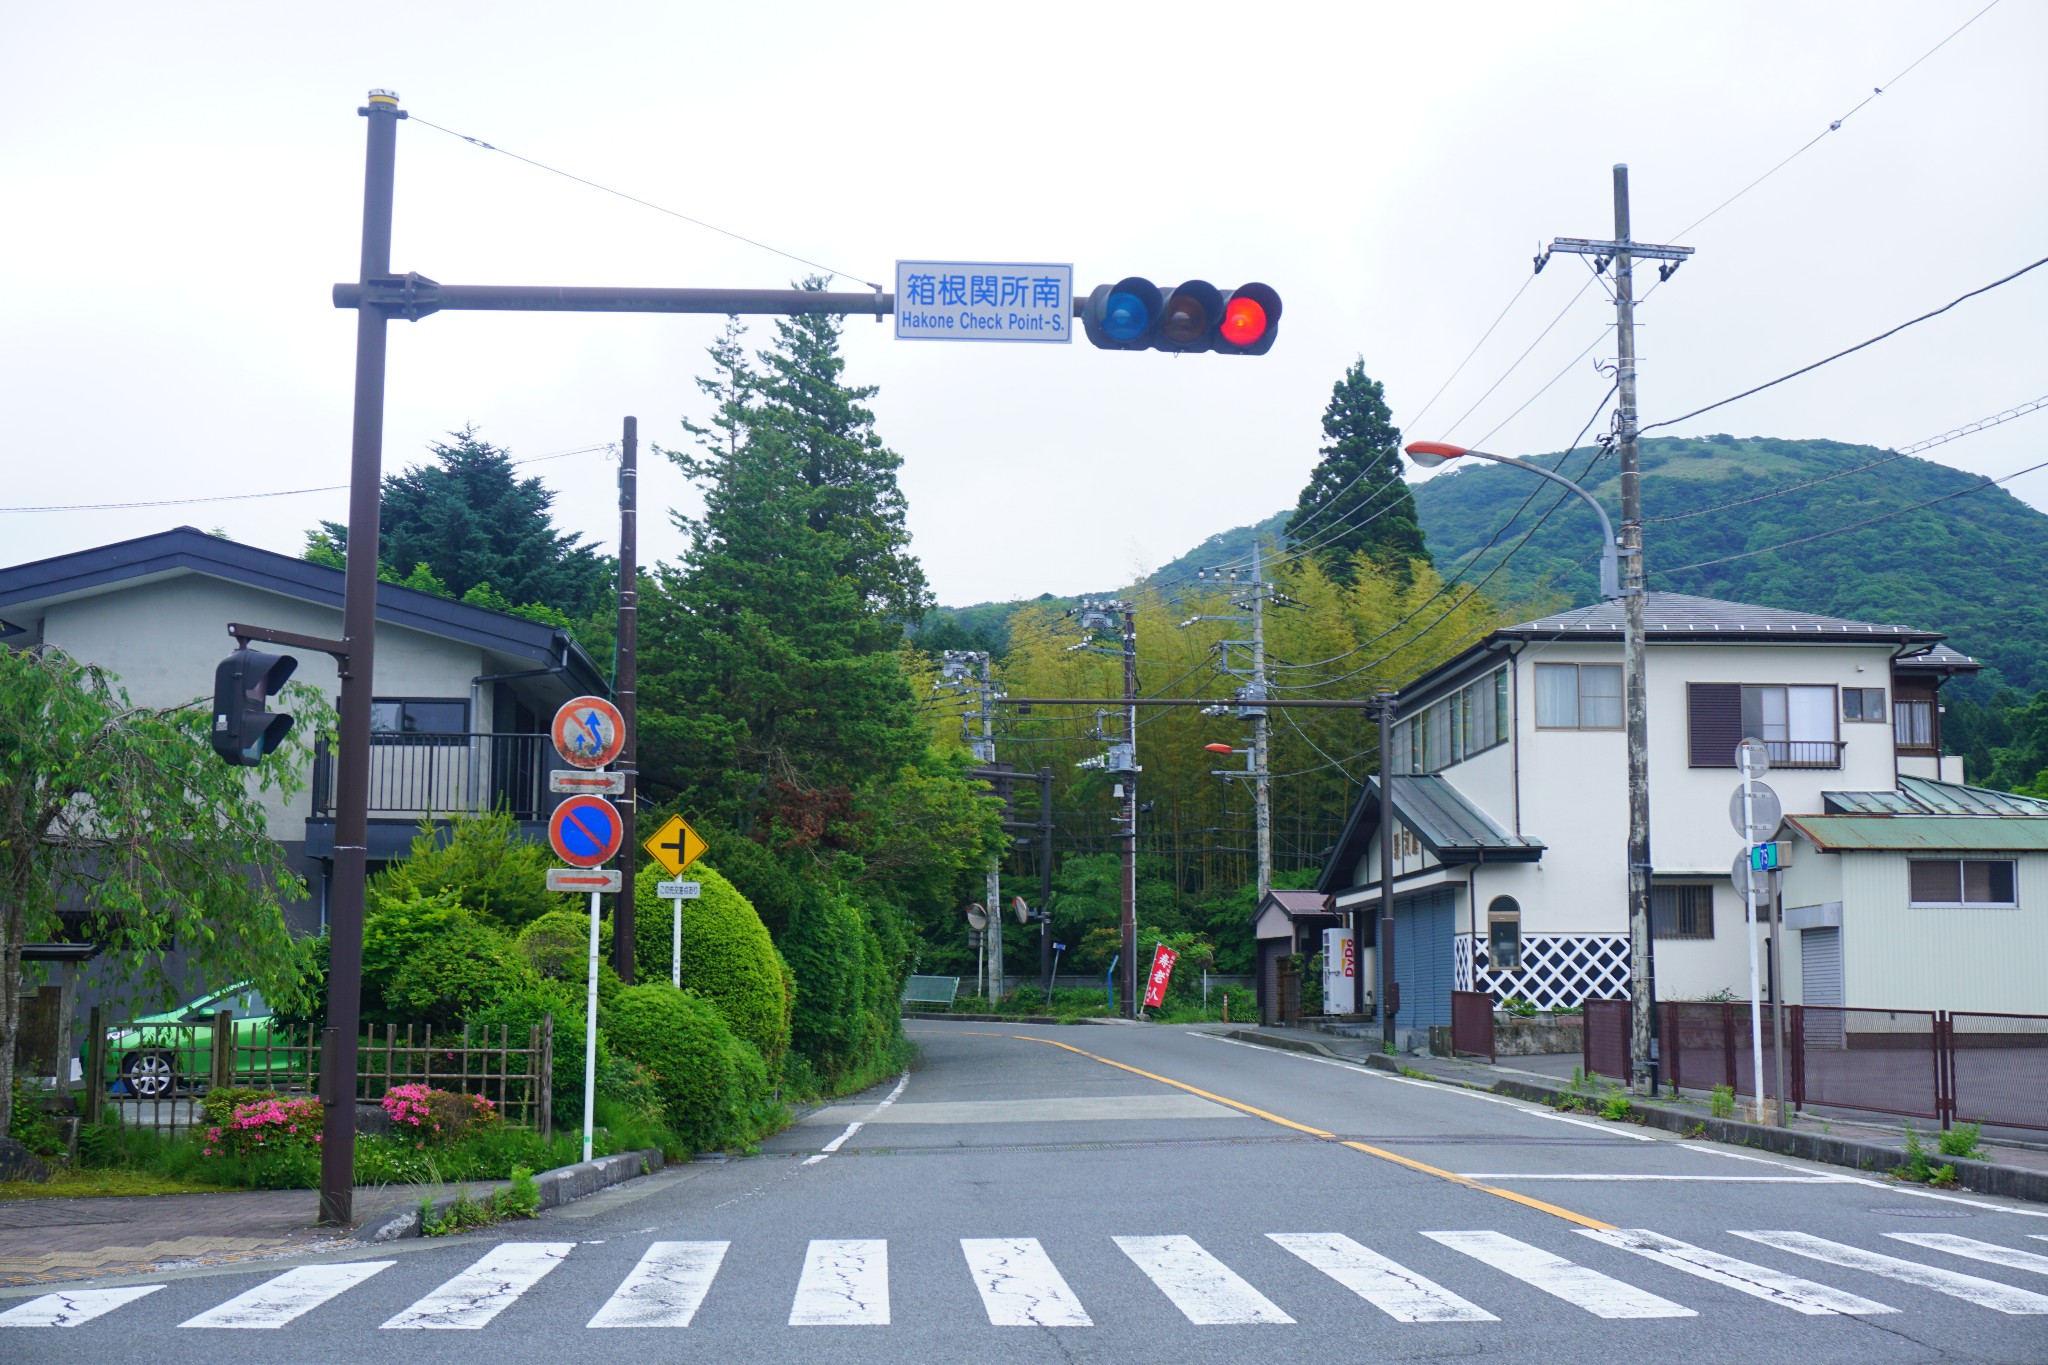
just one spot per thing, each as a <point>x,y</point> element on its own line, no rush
<point>625,692</point>
<point>359,632</point>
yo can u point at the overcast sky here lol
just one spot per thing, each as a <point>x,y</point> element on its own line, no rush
<point>184,186</point>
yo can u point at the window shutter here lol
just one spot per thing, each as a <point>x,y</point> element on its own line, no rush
<point>1714,717</point>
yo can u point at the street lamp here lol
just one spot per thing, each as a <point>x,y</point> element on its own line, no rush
<point>1642,951</point>
<point>1430,454</point>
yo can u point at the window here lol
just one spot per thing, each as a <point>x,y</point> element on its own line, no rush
<point>1963,881</point>
<point>392,716</point>
<point>1469,721</point>
<point>1863,703</point>
<point>1913,723</point>
<point>1682,911</point>
<point>1504,935</point>
<point>1796,723</point>
<point>1578,696</point>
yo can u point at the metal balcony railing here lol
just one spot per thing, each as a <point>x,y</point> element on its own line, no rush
<point>1804,753</point>
<point>426,776</point>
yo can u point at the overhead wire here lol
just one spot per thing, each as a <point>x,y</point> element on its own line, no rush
<point>645,203</point>
<point>1953,434</point>
<point>1860,525</point>
<point>1848,351</point>
<point>279,493</point>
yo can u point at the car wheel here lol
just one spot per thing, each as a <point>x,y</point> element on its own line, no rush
<point>150,1075</point>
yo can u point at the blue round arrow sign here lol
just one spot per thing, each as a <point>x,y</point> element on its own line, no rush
<point>585,830</point>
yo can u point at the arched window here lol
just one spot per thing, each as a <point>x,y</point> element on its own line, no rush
<point>1503,935</point>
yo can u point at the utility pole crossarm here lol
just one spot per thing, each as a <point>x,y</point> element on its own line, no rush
<point>1586,246</point>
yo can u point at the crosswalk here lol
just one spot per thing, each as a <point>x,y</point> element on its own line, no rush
<point>845,1282</point>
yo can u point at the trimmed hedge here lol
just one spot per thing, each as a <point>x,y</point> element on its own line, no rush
<point>521,1010</point>
<point>846,1020</point>
<point>727,958</point>
<point>713,1084</point>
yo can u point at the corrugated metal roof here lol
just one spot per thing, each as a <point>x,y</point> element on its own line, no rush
<point>1669,614</point>
<point>1926,833</point>
<point>1446,822</point>
<point>1923,796</point>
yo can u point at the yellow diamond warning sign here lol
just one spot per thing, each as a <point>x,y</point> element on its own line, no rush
<point>675,845</point>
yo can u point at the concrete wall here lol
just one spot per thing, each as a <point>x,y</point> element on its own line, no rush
<point>163,637</point>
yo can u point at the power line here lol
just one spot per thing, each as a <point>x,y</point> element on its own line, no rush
<point>1808,369</point>
<point>644,203</point>
<point>245,497</point>
<point>1424,410</point>
<point>1857,526</point>
<point>1569,304</point>
<point>1834,126</point>
<point>1956,434</point>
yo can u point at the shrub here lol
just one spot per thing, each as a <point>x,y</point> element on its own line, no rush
<point>220,1103</point>
<point>454,974</point>
<point>481,864</point>
<point>557,945</point>
<point>432,1117</point>
<point>1722,1104</point>
<point>1961,1140</point>
<point>519,1011</point>
<point>711,1082</point>
<point>727,957</point>
<point>30,1126</point>
<point>396,925</point>
<point>846,1019</point>
<point>267,1144</point>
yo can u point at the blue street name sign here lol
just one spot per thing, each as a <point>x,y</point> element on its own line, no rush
<point>984,301</point>
<point>1764,857</point>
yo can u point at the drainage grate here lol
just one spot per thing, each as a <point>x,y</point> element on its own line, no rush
<point>1923,1213</point>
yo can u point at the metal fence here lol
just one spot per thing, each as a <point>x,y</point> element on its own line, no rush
<point>153,1075</point>
<point>1943,1065</point>
<point>1472,1024</point>
<point>427,775</point>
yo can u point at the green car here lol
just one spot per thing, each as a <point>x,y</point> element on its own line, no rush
<point>154,1057</point>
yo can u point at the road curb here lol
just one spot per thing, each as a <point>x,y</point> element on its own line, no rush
<point>1051,1020</point>
<point>1872,1158</point>
<point>557,1187</point>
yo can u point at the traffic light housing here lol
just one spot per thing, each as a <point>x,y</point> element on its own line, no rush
<point>1136,315</point>
<point>244,730</point>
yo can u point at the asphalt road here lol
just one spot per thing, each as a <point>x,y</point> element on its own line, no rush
<point>1147,1194</point>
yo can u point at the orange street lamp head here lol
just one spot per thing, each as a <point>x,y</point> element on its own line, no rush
<point>1430,454</point>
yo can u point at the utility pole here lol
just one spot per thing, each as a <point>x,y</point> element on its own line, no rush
<point>625,679</point>
<point>1622,251</point>
<point>965,670</point>
<point>1251,705</point>
<point>1122,763</point>
<point>1383,953</point>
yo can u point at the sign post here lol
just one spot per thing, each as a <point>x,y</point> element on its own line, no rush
<point>675,846</point>
<point>1754,804</point>
<point>585,832</point>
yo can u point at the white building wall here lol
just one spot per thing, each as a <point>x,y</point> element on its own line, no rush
<point>163,638</point>
<point>1895,956</point>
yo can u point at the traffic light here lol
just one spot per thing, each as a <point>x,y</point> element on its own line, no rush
<point>1135,314</point>
<point>243,730</point>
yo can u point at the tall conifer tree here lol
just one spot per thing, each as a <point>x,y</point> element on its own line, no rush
<point>1356,500</point>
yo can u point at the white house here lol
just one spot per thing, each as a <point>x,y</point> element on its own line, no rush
<point>1510,792</point>
<point>462,695</point>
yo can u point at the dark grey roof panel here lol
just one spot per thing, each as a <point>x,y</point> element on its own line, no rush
<point>1923,796</point>
<point>1449,826</point>
<point>1670,614</point>
<point>1936,659</point>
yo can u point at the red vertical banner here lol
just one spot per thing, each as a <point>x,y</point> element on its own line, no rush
<point>1163,959</point>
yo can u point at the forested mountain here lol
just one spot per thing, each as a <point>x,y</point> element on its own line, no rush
<point>1975,565</point>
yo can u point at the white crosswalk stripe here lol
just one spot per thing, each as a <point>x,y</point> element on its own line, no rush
<point>666,1288</point>
<point>1984,1293</point>
<point>845,1284</point>
<point>1775,1286</point>
<point>277,1301</point>
<point>1019,1284</point>
<point>1206,1291</point>
<point>1600,1295</point>
<point>68,1310</point>
<point>1394,1289</point>
<point>2012,1258</point>
<point>486,1289</point>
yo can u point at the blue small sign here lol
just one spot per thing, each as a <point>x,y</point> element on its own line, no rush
<point>1763,858</point>
<point>984,301</point>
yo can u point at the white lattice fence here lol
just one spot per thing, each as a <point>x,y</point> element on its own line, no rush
<point>1558,971</point>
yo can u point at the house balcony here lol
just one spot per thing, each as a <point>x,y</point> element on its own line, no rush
<point>1805,753</point>
<point>416,778</point>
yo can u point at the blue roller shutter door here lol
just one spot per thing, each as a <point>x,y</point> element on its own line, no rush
<point>1423,930</point>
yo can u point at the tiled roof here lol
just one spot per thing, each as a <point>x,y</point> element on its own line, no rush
<point>1938,659</point>
<point>1673,614</point>
<point>1921,796</point>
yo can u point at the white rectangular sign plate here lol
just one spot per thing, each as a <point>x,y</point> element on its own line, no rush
<point>678,891</point>
<point>984,301</point>
<point>585,879</point>
<point>595,784</point>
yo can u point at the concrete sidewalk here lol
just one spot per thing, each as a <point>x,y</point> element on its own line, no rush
<point>49,1240</point>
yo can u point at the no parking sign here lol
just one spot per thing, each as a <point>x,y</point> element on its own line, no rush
<point>585,831</point>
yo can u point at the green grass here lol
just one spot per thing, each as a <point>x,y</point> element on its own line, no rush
<point>72,1183</point>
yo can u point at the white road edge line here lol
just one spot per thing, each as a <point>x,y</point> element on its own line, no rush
<point>1888,1187</point>
<point>854,1127</point>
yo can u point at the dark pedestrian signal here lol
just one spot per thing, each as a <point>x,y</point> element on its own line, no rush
<point>243,729</point>
<point>1136,315</point>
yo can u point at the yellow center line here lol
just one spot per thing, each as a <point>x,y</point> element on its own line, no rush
<point>1411,1163</point>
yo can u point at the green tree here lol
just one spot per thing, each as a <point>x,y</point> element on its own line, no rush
<point>770,683</point>
<point>470,520</point>
<point>123,816</point>
<point>1357,502</point>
